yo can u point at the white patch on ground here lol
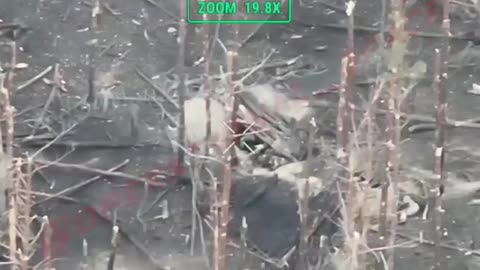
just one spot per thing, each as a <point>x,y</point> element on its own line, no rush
<point>412,208</point>
<point>292,173</point>
<point>277,102</point>
<point>196,123</point>
<point>475,90</point>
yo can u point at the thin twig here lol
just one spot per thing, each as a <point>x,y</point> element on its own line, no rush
<point>87,144</point>
<point>53,94</point>
<point>374,30</point>
<point>34,79</point>
<point>468,123</point>
<point>423,241</point>
<point>156,200</point>
<point>99,171</point>
<point>247,70</point>
<point>82,184</point>
<point>185,150</point>
<point>160,91</point>
<point>63,133</point>
<point>166,11</point>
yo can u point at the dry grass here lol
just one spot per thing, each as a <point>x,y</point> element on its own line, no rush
<point>366,208</point>
<point>16,183</point>
<point>363,208</point>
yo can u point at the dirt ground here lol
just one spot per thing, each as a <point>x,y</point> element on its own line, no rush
<point>136,34</point>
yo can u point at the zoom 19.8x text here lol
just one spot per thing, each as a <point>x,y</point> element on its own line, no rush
<point>234,7</point>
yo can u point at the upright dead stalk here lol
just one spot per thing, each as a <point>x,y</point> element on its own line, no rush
<point>375,94</point>
<point>7,176</point>
<point>16,180</point>
<point>371,137</point>
<point>47,243</point>
<point>302,202</point>
<point>215,210</point>
<point>438,170</point>
<point>244,244</point>
<point>344,118</point>
<point>13,64</point>
<point>345,124</point>
<point>21,239</point>
<point>394,97</point>
<point>235,87</point>
<point>96,12</point>
<point>381,39</point>
<point>195,165</point>
<point>12,229</point>
<point>439,89</point>
<point>23,179</point>
<point>220,256</point>
<point>181,86</point>
<point>218,261</point>
<point>342,103</point>
<point>221,261</point>
<point>113,251</point>
<point>389,187</point>
<point>232,61</point>
<point>7,111</point>
<point>206,83</point>
<point>349,89</point>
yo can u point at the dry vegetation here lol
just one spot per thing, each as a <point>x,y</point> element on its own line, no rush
<point>364,131</point>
